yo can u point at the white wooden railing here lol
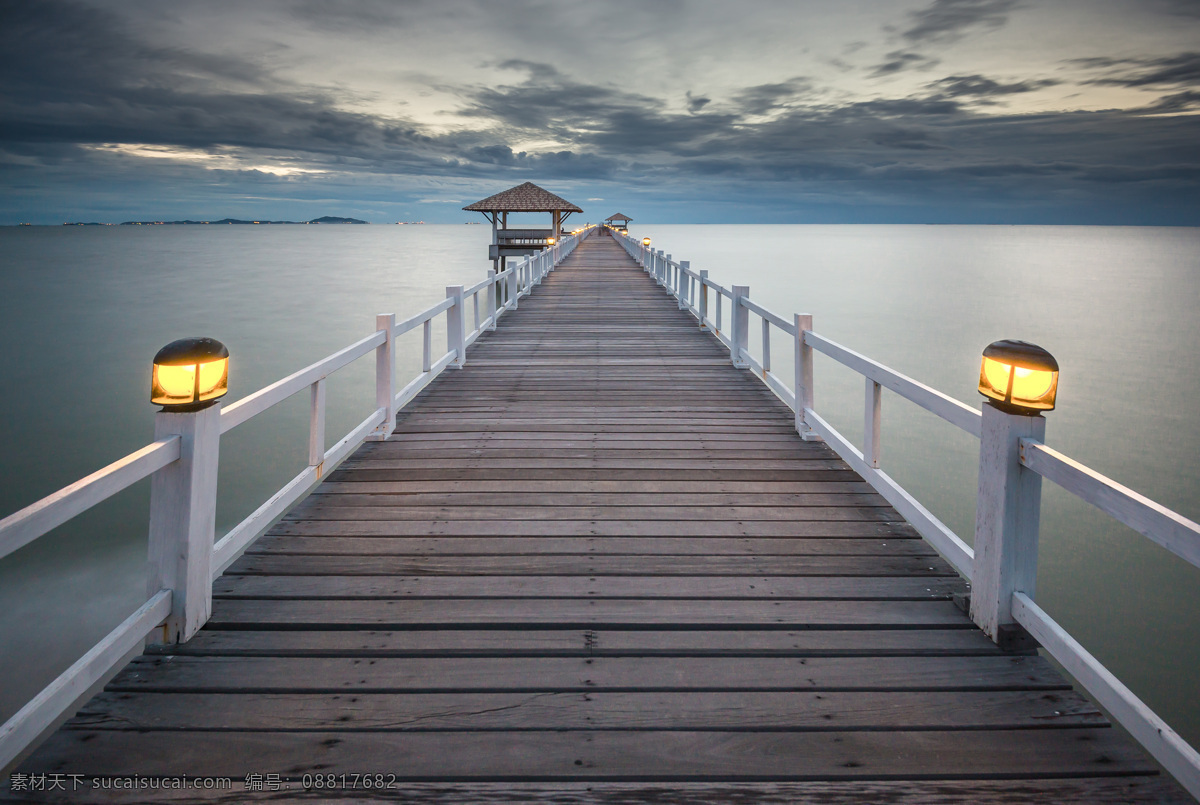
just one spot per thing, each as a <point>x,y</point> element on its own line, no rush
<point>1002,567</point>
<point>182,465</point>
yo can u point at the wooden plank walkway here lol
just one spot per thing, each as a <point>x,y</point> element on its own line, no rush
<point>598,565</point>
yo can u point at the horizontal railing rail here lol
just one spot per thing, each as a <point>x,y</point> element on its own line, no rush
<point>1009,493</point>
<point>177,609</point>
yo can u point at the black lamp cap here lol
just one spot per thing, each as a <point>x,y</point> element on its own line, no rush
<point>191,350</point>
<point>1022,354</point>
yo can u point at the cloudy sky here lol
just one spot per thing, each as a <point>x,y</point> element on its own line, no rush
<point>992,111</point>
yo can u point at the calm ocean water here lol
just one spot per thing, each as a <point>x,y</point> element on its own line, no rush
<point>83,310</point>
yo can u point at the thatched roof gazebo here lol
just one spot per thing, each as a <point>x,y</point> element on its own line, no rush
<point>618,221</point>
<point>526,197</point>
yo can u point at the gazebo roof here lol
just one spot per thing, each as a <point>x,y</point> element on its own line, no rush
<point>526,197</point>
<point>619,217</point>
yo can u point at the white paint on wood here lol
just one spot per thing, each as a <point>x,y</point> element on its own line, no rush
<point>426,346</point>
<point>944,541</point>
<point>316,425</point>
<point>739,326</point>
<point>52,702</point>
<point>803,375</point>
<point>254,404</point>
<point>703,307</point>
<point>240,537</point>
<point>873,422</point>
<point>422,317</point>
<point>1167,747</point>
<point>932,400</point>
<point>183,512</point>
<point>684,284</point>
<point>1169,529</point>
<point>456,327</point>
<point>1007,510</point>
<point>767,315</point>
<point>24,526</point>
<point>491,301</point>
<point>385,373</point>
<point>766,348</point>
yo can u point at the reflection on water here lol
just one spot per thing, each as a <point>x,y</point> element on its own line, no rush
<point>84,309</point>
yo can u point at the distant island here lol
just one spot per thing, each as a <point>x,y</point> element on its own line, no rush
<point>326,219</point>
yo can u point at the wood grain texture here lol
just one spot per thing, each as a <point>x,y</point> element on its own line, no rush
<point>598,565</point>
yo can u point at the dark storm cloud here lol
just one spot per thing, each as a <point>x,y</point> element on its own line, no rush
<point>764,98</point>
<point>947,21</point>
<point>985,90</point>
<point>1179,70</point>
<point>696,102</point>
<point>941,23</point>
<point>73,78</point>
<point>898,60</point>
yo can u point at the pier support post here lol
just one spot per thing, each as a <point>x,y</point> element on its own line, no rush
<point>1006,522</point>
<point>514,288</point>
<point>703,299</point>
<point>803,384</point>
<point>183,515</point>
<point>493,289</point>
<point>666,275</point>
<point>385,377</point>
<point>456,327</point>
<point>660,268</point>
<point>739,326</point>
<point>684,284</point>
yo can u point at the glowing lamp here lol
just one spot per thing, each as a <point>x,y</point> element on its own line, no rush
<point>190,374</point>
<point>1018,377</point>
<point>550,241</point>
<point>645,241</point>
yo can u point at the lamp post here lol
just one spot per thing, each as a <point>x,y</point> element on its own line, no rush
<point>1019,381</point>
<point>190,376</point>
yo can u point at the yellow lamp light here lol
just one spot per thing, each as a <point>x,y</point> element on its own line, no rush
<point>190,374</point>
<point>645,241</point>
<point>1018,377</point>
<point>549,241</point>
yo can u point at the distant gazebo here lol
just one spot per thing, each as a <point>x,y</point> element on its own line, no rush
<point>618,221</point>
<point>526,197</point>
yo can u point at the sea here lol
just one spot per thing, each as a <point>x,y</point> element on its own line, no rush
<point>84,309</point>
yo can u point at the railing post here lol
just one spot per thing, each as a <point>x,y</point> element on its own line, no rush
<point>668,278</point>
<point>703,298</point>
<point>385,377</point>
<point>685,283</point>
<point>1007,511</point>
<point>766,348</point>
<point>456,327</point>
<point>427,347</point>
<point>183,515</point>
<point>739,326</point>
<point>491,297</point>
<point>514,290</point>
<point>316,425</point>
<point>803,384</point>
<point>660,268</point>
<point>872,422</point>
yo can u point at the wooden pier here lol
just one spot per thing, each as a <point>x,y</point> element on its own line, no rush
<point>597,564</point>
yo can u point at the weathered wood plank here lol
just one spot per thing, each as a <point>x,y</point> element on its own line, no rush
<point>579,612</point>
<point>322,509</point>
<point>587,643</point>
<point>585,546</point>
<point>595,528</point>
<point>903,710</point>
<point>939,791</point>
<point>926,566</point>
<point>383,675</point>
<point>600,755</point>
<point>699,587</point>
